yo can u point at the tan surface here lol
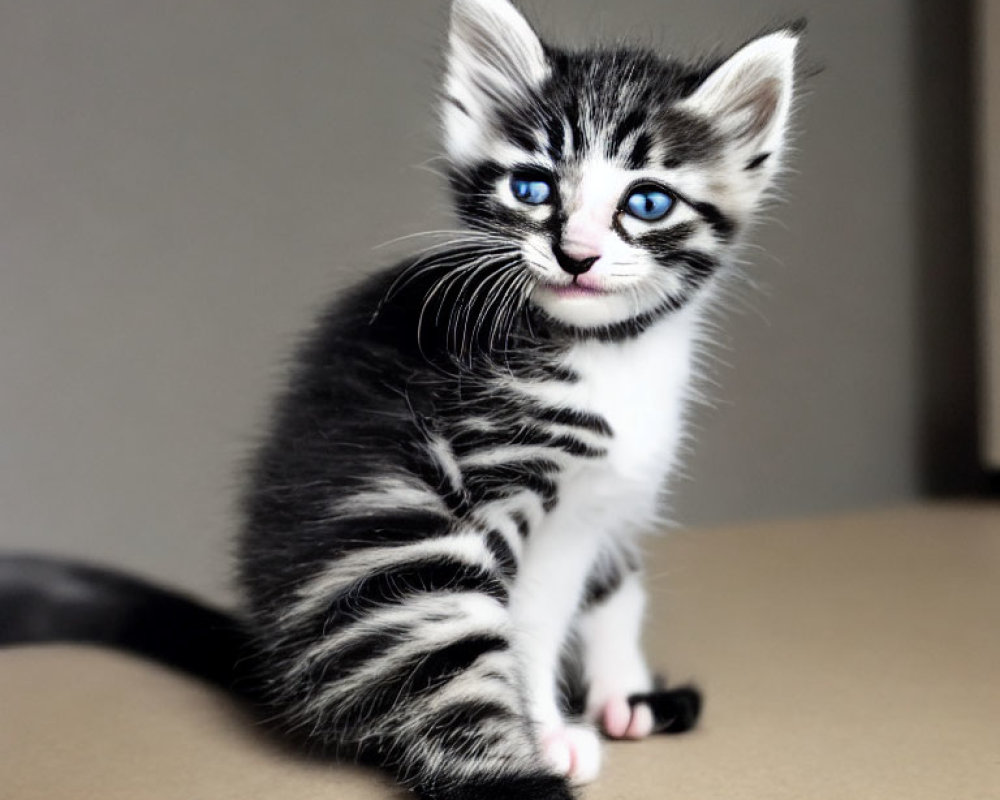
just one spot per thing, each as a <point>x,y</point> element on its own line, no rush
<point>851,658</point>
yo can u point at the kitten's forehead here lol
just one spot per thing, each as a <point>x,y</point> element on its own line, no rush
<point>616,104</point>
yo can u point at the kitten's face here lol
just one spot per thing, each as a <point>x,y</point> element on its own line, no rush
<point>620,179</point>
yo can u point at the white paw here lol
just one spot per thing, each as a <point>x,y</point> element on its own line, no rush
<point>573,751</point>
<point>619,720</point>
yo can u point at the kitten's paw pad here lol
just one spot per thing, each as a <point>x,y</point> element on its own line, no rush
<point>671,710</point>
<point>621,719</point>
<point>573,751</point>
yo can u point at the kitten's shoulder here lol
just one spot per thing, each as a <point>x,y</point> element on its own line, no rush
<point>377,311</point>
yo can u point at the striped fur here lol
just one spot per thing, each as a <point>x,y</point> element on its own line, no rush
<point>449,500</point>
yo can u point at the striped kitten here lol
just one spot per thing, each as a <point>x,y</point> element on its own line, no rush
<point>451,499</point>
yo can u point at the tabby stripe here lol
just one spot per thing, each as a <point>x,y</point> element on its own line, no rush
<point>470,682</point>
<point>576,141</point>
<point>505,474</point>
<point>668,240</point>
<point>698,267</point>
<point>509,455</point>
<point>438,619</point>
<point>607,576</point>
<point>492,677</point>
<point>724,227</point>
<point>536,444</point>
<point>395,583</point>
<point>570,417</point>
<point>632,122</point>
<point>466,444</point>
<point>600,586</point>
<point>639,157</point>
<point>440,469</point>
<point>487,485</point>
<point>629,329</point>
<point>472,448</point>
<point>520,135</point>
<point>429,671</point>
<point>343,572</point>
<point>575,447</point>
<point>555,130</point>
<point>379,529</point>
<point>326,664</point>
<point>502,552</point>
<point>523,526</point>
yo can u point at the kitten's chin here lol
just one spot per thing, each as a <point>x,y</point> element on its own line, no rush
<point>584,307</point>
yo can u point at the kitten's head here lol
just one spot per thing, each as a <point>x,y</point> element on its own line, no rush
<point>620,179</point>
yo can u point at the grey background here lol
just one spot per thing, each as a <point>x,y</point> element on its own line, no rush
<point>182,183</point>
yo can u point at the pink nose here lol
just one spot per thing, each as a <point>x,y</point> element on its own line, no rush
<point>573,266</point>
<point>582,237</point>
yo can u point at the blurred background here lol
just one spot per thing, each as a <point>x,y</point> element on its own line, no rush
<point>183,183</point>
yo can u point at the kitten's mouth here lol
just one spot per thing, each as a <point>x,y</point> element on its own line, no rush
<point>576,289</point>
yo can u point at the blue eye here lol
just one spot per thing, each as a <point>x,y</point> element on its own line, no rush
<point>649,204</point>
<point>533,191</point>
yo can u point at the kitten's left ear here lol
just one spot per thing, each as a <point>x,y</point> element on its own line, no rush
<point>748,98</point>
<point>494,57</point>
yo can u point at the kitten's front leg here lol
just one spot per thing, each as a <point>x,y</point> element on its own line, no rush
<point>622,697</point>
<point>614,665</point>
<point>544,603</point>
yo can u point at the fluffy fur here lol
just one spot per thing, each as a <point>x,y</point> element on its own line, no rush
<point>451,496</point>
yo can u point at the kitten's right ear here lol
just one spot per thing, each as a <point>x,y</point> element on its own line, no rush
<point>493,56</point>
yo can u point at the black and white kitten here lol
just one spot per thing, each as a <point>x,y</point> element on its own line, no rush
<point>475,441</point>
<point>440,555</point>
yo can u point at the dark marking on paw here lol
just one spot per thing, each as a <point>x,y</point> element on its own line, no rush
<point>674,710</point>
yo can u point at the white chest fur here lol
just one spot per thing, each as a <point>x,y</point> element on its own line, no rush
<point>640,388</point>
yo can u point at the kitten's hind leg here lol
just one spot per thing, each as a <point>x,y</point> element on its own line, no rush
<point>622,697</point>
<point>399,654</point>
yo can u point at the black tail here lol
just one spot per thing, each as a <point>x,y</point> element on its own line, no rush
<point>55,600</point>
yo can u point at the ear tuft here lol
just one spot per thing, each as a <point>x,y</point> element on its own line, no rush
<point>493,56</point>
<point>748,98</point>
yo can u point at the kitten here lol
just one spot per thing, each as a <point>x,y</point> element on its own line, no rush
<point>474,442</point>
<point>440,557</point>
